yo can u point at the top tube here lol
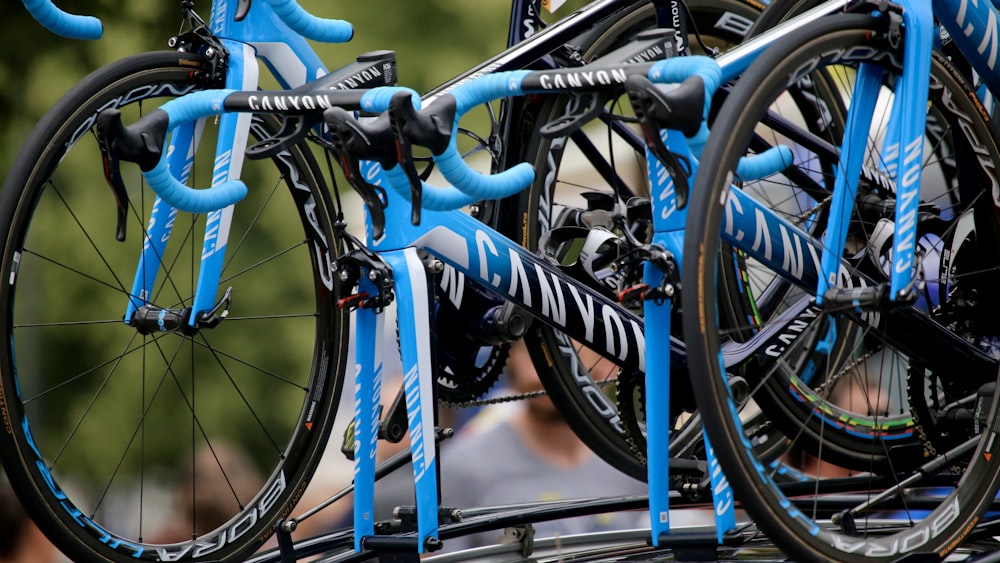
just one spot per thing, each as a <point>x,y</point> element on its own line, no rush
<point>232,21</point>
<point>310,26</point>
<point>63,23</point>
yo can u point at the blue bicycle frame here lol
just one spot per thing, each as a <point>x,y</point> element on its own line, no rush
<point>669,222</point>
<point>492,261</point>
<point>262,33</point>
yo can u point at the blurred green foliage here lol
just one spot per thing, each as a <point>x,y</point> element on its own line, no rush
<point>434,40</point>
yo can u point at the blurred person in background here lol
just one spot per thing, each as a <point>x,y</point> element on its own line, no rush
<point>531,455</point>
<point>20,539</point>
<point>220,479</point>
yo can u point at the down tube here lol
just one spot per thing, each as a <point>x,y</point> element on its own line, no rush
<point>768,238</point>
<point>785,250</point>
<point>501,266</point>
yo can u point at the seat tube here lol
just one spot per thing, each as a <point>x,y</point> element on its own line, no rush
<point>668,233</point>
<point>656,315</point>
<point>668,225</point>
<point>413,313</point>
<point>369,327</point>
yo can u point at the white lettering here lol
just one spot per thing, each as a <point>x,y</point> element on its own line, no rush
<point>553,302</point>
<point>483,243</point>
<point>519,278</point>
<point>586,311</point>
<point>613,324</point>
<point>453,282</point>
<point>762,237</point>
<point>791,258</point>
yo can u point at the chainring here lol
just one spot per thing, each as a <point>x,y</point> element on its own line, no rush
<point>467,365</point>
<point>632,410</point>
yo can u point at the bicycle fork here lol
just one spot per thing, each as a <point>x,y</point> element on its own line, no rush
<point>233,134</point>
<point>903,147</point>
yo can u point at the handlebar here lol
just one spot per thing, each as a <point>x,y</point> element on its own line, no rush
<point>75,26</point>
<point>451,164</point>
<point>185,110</point>
<point>467,185</point>
<point>681,70</point>
<point>691,72</point>
<point>481,90</point>
<point>310,26</point>
<point>375,140</point>
<point>156,126</point>
<point>435,198</point>
<point>63,23</point>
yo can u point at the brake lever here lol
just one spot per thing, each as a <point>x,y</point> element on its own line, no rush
<point>678,166</point>
<point>431,129</point>
<point>656,112</point>
<point>242,9</point>
<point>112,169</point>
<point>373,196</point>
<point>399,116</point>
<point>117,142</point>
<point>352,142</point>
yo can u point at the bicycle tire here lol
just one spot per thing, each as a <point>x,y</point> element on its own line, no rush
<point>778,11</point>
<point>939,520</point>
<point>103,424</point>
<point>590,405</point>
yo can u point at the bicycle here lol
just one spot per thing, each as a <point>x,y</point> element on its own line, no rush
<point>792,312</point>
<point>287,448</point>
<point>899,284</point>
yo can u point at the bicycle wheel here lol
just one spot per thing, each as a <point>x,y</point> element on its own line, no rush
<point>931,503</point>
<point>183,445</point>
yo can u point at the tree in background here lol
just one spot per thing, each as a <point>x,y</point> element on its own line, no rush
<point>434,39</point>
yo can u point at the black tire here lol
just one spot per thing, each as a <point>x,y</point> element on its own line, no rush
<point>100,421</point>
<point>778,11</point>
<point>956,191</point>
<point>589,401</point>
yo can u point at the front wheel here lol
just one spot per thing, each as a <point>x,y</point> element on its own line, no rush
<point>128,443</point>
<point>850,371</point>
